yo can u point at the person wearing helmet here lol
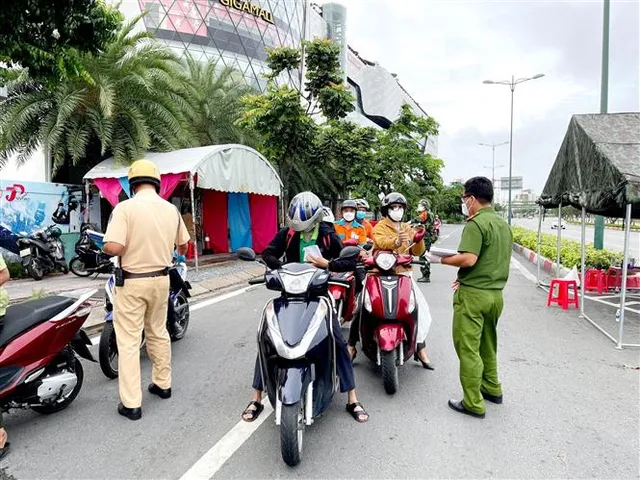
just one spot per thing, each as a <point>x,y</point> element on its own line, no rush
<point>426,219</point>
<point>328,219</point>
<point>144,231</point>
<point>391,234</point>
<point>348,228</point>
<point>361,216</point>
<point>306,228</point>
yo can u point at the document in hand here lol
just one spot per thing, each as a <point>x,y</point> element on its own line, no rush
<point>442,252</point>
<point>311,251</point>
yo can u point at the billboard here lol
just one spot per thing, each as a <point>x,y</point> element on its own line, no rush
<point>516,185</point>
<point>29,206</point>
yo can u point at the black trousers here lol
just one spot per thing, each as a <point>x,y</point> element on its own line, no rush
<point>344,366</point>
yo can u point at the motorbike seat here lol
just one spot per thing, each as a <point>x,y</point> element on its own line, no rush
<point>342,278</point>
<point>24,316</point>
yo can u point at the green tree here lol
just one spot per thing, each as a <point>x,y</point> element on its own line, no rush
<point>129,99</point>
<point>282,115</point>
<point>46,36</point>
<point>448,202</point>
<point>215,96</point>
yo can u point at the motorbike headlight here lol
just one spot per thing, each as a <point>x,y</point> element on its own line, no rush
<point>412,302</point>
<point>386,261</point>
<point>296,284</point>
<point>366,300</point>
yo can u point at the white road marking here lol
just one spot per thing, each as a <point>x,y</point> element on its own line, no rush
<point>527,274</point>
<point>207,466</point>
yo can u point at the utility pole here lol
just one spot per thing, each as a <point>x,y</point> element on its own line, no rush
<point>493,159</point>
<point>598,230</point>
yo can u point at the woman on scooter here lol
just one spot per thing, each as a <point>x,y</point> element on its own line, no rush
<point>391,234</point>
<point>307,228</point>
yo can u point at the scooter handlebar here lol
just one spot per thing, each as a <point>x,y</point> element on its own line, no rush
<point>257,281</point>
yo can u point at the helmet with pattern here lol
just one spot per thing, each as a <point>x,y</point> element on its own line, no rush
<point>328,215</point>
<point>362,203</point>
<point>305,211</point>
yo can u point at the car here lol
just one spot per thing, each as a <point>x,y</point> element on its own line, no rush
<point>555,226</point>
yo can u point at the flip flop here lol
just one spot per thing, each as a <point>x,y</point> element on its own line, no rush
<point>357,415</point>
<point>254,413</point>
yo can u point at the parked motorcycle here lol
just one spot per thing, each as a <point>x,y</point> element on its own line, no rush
<point>342,286</point>
<point>42,252</point>
<point>296,348</point>
<point>89,257</point>
<point>39,340</point>
<point>389,314</point>
<point>177,317</point>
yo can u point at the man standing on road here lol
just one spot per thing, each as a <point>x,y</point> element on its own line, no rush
<point>425,219</point>
<point>143,231</point>
<point>483,261</point>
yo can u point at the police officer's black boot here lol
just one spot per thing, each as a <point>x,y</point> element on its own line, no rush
<point>425,269</point>
<point>130,413</point>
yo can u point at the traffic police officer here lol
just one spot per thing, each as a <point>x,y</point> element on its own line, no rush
<point>143,231</point>
<point>483,260</point>
<point>425,219</point>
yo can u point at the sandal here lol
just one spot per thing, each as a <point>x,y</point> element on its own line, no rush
<point>254,413</point>
<point>4,450</point>
<point>360,416</point>
<point>355,353</point>
<point>426,365</point>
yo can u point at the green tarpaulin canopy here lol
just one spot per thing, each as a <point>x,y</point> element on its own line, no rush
<point>598,165</point>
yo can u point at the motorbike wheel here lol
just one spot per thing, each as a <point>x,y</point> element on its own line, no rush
<point>292,433</point>
<point>389,372</point>
<point>78,268</point>
<point>58,406</point>
<point>182,306</point>
<point>108,351</point>
<point>35,270</point>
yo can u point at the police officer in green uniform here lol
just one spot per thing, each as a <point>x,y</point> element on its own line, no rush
<point>426,219</point>
<point>483,261</point>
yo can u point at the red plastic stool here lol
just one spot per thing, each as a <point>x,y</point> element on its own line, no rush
<point>563,298</point>
<point>595,280</point>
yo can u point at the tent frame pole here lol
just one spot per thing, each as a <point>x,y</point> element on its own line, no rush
<point>87,191</point>
<point>583,261</point>
<point>625,261</point>
<point>539,246</point>
<point>559,247</point>
<point>195,218</point>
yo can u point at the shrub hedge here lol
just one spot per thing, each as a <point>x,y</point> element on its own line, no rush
<point>570,255</point>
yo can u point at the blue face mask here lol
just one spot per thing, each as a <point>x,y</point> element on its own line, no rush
<point>361,215</point>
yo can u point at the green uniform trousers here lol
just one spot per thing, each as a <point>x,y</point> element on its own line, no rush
<point>475,318</point>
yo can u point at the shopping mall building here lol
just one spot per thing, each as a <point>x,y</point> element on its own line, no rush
<point>238,32</point>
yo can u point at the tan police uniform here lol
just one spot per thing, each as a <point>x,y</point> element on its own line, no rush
<point>149,228</point>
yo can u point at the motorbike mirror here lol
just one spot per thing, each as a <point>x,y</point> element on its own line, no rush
<point>246,254</point>
<point>350,252</point>
<point>367,246</point>
<point>419,236</point>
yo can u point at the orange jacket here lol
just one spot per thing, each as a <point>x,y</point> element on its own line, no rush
<point>355,231</point>
<point>368,228</point>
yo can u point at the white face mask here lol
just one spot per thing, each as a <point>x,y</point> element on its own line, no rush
<point>465,209</point>
<point>396,215</point>
<point>420,208</point>
<point>349,216</point>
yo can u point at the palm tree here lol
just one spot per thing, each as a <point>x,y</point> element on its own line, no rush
<point>214,94</point>
<point>126,100</point>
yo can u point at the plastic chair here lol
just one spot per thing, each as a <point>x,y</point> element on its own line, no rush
<point>562,298</point>
<point>595,280</point>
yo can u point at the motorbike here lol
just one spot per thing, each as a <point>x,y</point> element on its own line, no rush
<point>177,317</point>
<point>342,287</point>
<point>40,341</point>
<point>89,257</point>
<point>296,348</point>
<point>42,252</point>
<point>389,314</point>
<point>436,230</point>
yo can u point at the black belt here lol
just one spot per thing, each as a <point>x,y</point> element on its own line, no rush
<point>156,273</point>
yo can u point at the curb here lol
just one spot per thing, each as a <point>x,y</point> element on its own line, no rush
<point>545,264</point>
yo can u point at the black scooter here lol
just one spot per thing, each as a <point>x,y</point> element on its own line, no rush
<point>42,252</point>
<point>89,259</point>
<point>296,348</point>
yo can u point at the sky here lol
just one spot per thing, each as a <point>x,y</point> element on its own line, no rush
<point>443,50</point>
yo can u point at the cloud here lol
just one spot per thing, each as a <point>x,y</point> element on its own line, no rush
<point>442,51</point>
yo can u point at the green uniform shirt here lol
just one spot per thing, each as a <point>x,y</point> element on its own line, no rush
<point>489,237</point>
<point>312,241</point>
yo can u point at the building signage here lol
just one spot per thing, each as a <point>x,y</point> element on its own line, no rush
<point>250,8</point>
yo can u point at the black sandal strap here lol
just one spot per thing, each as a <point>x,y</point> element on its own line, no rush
<point>254,413</point>
<point>357,415</point>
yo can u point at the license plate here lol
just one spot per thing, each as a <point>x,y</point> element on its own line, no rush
<point>25,252</point>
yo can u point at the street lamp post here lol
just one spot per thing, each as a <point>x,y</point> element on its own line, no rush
<point>493,159</point>
<point>512,86</point>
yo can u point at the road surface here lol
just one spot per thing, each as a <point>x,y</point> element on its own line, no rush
<point>613,239</point>
<point>570,408</point>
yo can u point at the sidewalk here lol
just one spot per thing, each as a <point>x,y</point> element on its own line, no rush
<point>210,279</point>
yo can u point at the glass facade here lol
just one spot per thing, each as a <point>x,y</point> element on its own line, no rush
<point>233,32</point>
